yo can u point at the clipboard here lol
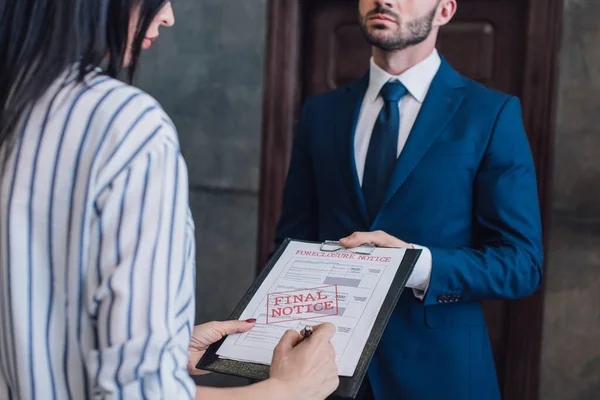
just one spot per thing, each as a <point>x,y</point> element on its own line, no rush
<point>349,386</point>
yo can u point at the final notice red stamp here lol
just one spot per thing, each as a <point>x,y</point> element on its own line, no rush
<point>294,305</point>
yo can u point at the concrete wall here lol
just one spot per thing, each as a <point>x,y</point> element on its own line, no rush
<point>207,71</point>
<point>571,343</point>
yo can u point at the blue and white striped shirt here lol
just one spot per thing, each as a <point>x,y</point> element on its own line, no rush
<point>97,251</point>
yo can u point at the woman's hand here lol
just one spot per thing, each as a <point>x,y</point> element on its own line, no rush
<point>301,369</point>
<point>206,334</point>
<point>306,369</point>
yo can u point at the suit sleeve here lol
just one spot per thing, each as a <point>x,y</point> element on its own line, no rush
<point>299,210</point>
<point>506,262</point>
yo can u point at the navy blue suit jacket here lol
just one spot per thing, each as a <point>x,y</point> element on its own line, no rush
<point>465,187</point>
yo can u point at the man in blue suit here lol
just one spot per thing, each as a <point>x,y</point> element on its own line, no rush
<point>416,155</point>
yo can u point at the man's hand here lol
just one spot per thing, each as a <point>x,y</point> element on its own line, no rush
<point>206,334</point>
<point>378,238</point>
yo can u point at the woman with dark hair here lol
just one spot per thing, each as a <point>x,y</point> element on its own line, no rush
<point>97,250</point>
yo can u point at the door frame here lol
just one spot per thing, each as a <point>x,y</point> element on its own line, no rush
<point>281,107</point>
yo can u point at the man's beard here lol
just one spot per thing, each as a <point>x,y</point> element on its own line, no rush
<point>416,31</point>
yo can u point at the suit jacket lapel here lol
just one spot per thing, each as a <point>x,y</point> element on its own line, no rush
<point>346,117</point>
<point>442,100</point>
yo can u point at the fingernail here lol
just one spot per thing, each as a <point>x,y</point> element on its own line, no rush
<point>251,320</point>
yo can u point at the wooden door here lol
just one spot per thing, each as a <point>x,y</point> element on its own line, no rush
<point>491,41</point>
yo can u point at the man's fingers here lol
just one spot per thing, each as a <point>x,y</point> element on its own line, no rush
<point>288,341</point>
<point>378,238</point>
<point>354,240</point>
<point>360,238</point>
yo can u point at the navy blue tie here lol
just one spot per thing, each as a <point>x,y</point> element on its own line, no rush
<point>383,148</point>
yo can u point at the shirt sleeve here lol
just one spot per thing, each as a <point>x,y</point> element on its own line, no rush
<point>418,281</point>
<point>143,302</point>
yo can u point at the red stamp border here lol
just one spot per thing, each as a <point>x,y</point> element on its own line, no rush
<point>337,308</point>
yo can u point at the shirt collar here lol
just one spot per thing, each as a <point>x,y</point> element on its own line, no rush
<point>416,79</point>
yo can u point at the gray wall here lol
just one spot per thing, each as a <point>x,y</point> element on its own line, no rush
<point>571,343</point>
<point>206,71</point>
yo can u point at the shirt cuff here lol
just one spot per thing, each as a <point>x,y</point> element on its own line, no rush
<point>419,279</point>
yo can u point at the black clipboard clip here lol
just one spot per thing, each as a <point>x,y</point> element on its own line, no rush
<point>333,246</point>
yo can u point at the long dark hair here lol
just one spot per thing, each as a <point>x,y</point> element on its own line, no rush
<point>41,39</point>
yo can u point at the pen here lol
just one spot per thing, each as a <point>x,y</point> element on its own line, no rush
<point>306,332</point>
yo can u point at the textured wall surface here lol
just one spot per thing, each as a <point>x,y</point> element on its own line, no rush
<point>207,71</point>
<point>571,343</point>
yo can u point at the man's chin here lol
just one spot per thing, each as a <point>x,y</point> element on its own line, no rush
<point>380,39</point>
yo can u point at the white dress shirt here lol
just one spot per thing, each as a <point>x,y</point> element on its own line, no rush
<point>417,80</point>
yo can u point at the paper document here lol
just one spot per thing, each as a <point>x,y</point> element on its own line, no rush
<point>308,286</point>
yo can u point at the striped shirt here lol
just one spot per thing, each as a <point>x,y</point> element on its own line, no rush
<point>97,269</point>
